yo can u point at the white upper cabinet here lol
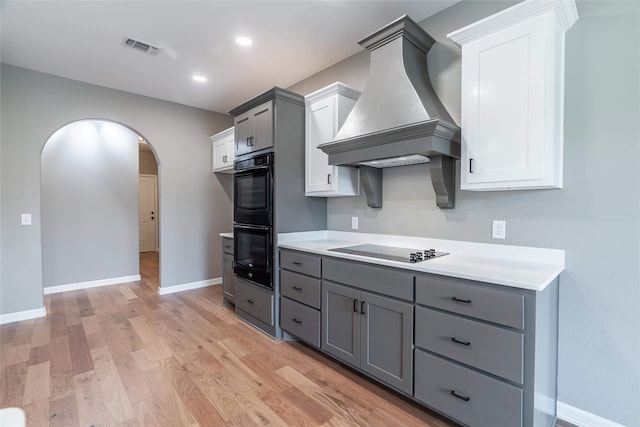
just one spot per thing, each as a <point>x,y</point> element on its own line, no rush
<point>325,112</point>
<point>513,96</point>
<point>223,150</point>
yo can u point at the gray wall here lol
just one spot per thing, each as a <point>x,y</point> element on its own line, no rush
<point>147,163</point>
<point>194,204</point>
<point>595,218</point>
<point>89,188</point>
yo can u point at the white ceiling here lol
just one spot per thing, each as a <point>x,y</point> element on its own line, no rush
<point>83,40</point>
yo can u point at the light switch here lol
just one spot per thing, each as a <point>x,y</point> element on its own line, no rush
<point>26,219</point>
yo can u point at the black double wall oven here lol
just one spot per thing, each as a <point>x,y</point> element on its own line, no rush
<point>253,219</point>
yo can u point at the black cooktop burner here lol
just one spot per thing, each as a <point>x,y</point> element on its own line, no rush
<point>391,252</point>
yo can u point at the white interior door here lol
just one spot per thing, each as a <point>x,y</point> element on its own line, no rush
<point>148,212</point>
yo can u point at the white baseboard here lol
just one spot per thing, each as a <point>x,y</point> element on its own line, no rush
<point>91,284</point>
<point>188,286</point>
<point>582,418</point>
<point>23,315</point>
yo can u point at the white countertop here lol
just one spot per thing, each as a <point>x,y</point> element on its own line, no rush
<point>227,235</point>
<point>515,266</point>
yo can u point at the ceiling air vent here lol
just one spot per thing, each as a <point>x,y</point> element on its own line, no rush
<point>141,46</point>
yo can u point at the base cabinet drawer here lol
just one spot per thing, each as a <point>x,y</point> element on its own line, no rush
<point>489,348</point>
<point>254,301</point>
<point>300,262</point>
<point>300,288</point>
<point>474,301</point>
<point>300,320</point>
<point>465,395</point>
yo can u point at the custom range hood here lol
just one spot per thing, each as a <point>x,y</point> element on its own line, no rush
<point>398,119</point>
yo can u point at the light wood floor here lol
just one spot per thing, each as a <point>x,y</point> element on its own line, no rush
<point>122,355</point>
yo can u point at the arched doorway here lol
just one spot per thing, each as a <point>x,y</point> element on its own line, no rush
<point>90,220</point>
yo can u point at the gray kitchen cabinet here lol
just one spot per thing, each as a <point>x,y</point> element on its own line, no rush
<point>369,331</point>
<point>254,129</point>
<point>273,122</point>
<point>256,302</point>
<point>300,295</point>
<point>486,355</point>
<point>228,277</point>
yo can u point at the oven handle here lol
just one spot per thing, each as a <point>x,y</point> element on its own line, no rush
<point>253,227</point>
<point>253,168</point>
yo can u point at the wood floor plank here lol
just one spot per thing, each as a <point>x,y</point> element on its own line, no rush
<point>91,324</point>
<point>127,293</point>
<point>167,403</point>
<point>63,412</point>
<point>88,396</point>
<point>37,413</point>
<point>12,384</point>
<point>116,402</point>
<point>60,354</point>
<point>36,386</point>
<point>40,354</point>
<point>61,385</point>
<point>192,396</point>
<point>81,355</point>
<point>132,379</point>
<point>71,309</point>
<point>84,304</point>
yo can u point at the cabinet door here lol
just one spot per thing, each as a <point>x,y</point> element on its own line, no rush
<point>505,130</point>
<point>387,340</point>
<point>341,322</point>
<point>321,127</point>
<point>228,279</point>
<point>221,155</point>
<point>262,127</point>
<point>244,131</point>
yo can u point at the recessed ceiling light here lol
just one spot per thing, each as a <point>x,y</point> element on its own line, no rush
<point>201,79</point>
<point>244,41</point>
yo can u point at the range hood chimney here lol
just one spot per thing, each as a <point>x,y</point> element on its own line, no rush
<point>398,119</point>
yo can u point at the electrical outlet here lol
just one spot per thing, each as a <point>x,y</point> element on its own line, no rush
<point>499,229</point>
<point>354,222</point>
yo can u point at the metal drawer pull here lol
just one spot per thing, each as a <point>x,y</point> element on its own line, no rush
<point>297,288</point>
<point>355,305</point>
<point>465,398</point>
<point>250,301</point>
<point>297,321</point>
<point>465,343</point>
<point>466,301</point>
<point>296,263</point>
<point>362,307</point>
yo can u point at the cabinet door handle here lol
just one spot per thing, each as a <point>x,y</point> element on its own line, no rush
<point>471,165</point>
<point>355,305</point>
<point>248,143</point>
<point>251,141</point>
<point>328,178</point>
<point>299,322</point>
<point>362,307</point>
<point>459,396</point>
<point>250,301</point>
<point>465,301</point>
<point>296,263</point>
<point>224,159</point>
<point>457,341</point>
<point>297,288</point>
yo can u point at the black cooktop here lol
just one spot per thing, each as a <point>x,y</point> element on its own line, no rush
<point>391,253</point>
